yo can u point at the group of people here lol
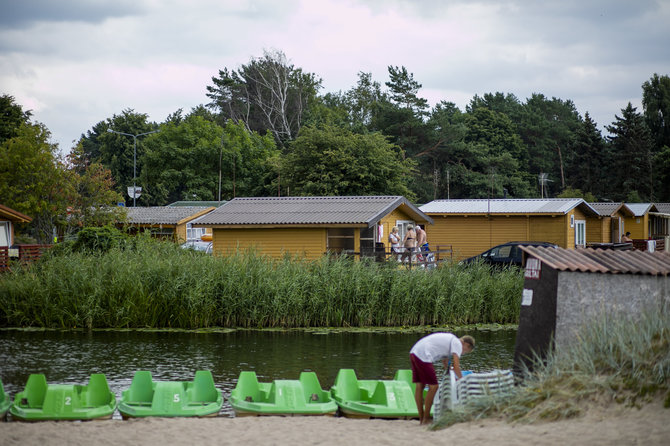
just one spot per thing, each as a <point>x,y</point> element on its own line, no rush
<point>413,240</point>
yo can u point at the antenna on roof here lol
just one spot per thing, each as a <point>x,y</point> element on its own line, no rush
<point>542,178</point>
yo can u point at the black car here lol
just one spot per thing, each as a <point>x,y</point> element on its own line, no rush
<point>506,254</point>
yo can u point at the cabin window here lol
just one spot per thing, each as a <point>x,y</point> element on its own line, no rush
<point>402,227</point>
<point>194,233</point>
<point>368,240</point>
<point>340,240</point>
<point>580,233</point>
<point>4,233</point>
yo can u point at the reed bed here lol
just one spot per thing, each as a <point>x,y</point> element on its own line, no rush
<point>616,359</point>
<point>158,285</point>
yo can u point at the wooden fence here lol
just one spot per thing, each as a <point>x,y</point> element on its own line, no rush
<point>422,259</point>
<point>24,254</point>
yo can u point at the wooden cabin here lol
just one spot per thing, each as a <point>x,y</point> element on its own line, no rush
<point>165,222</point>
<point>639,223</point>
<point>309,226</point>
<point>473,226</point>
<point>608,226</point>
<point>8,218</point>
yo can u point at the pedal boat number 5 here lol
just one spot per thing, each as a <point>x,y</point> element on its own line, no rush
<point>148,398</point>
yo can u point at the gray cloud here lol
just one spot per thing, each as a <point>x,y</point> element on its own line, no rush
<point>25,13</point>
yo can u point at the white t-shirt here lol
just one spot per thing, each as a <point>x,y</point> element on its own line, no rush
<point>437,346</point>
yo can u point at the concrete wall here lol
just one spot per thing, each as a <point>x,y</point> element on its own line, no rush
<point>584,297</point>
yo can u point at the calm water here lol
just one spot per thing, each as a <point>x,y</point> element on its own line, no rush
<point>70,357</point>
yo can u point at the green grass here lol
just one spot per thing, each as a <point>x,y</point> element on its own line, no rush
<point>615,360</point>
<point>158,285</point>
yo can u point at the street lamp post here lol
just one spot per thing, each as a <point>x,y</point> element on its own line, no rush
<point>134,155</point>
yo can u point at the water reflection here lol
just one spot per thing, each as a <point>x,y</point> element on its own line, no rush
<point>70,357</point>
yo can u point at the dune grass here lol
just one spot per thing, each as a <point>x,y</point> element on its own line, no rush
<point>615,360</point>
<point>158,285</point>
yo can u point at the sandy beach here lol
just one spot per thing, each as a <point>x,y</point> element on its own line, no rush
<point>647,426</point>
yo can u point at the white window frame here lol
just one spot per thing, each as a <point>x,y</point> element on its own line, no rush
<point>402,228</point>
<point>580,233</point>
<point>5,231</point>
<point>194,233</point>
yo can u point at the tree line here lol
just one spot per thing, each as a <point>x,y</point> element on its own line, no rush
<point>267,130</point>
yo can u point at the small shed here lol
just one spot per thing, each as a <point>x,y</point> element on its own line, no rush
<point>473,226</point>
<point>565,289</point>
<point>8,218</point>
<point>164,221</point>
<point>639,224</point>
<point>309,226</point>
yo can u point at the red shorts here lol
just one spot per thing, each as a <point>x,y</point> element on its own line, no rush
<point>422,372</point>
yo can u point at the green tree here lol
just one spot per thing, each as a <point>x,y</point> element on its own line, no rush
<point>631,148</point>
<point>570,192</point>
<point>12,116</point>
<point>656,106</point>
<point>115,151</point>
<point>335,161</point>
<point>590,161</point>
<point>33,179</point>
<point>268,93</point>
<point>184,160</point>
<point>547,128</point>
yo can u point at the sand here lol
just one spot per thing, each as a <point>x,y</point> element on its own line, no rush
<point>616,425</point>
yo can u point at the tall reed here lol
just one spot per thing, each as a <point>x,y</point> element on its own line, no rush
<point>155,284</point>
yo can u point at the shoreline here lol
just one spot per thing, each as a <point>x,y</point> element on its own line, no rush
<point>612,424</point>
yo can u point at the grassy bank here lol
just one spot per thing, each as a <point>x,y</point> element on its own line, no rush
<point>614,361</point>
<point>151,284</point>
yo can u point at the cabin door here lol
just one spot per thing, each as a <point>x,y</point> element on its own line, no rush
<point>616,230</point>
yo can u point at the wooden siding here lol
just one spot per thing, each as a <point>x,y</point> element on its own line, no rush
<point>472,235</point>
<point>637,226</point>
<point>598,229</point>
<point>275,242</point>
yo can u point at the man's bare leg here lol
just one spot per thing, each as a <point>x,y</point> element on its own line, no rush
<point>430,395</point>
<point>418,397</point>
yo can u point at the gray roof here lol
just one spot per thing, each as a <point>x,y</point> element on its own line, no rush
<point>357,210</point>
<point>164,215</point>
<point>640,209</point>
<point>506,206</point>
<point>603,260</point>
<point>609,209</point>
<point>663,208</point>
<point>214,203</point>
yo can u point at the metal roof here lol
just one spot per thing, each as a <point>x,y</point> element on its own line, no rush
<point>640,209</point>
<point>609,209</point>
<point>214,203</point>
<point>603,260</point>
<point>663,208</point>
<point>164,215</point>
<point>507,206</point>
<point>356,210</point>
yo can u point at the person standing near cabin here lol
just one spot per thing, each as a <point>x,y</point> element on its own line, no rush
<point>409,242</point>
<point>394,240</point>
<point>429,349</point>
<point>420,237</point>
<point>626,238</point>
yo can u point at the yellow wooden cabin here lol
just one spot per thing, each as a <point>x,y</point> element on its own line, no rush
<point>640,223</point>
<point>170,223</point>
<point>309,226</point>
<point>608,226</point>
<point>473,226</point>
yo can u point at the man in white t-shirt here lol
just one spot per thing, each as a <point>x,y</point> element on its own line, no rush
<point>429,349</point>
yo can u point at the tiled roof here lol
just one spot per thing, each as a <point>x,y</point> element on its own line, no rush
<point>357,210</point>
<point>214,203</point>
<point>506,206</point>
<point>164,215</point>
<point>603,260</point>
<point>663,208</point>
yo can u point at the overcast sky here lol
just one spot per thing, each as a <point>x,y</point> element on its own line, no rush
<point>75,63</point>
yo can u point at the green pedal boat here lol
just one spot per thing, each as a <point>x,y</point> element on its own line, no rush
<point>5,402</point>
<point>375,398</point>
<point>148,398</point>
<point>281,397</point>
<point>41,401</point>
